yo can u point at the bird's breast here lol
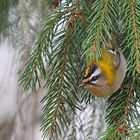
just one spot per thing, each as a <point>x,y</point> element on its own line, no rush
<point>99,91</point>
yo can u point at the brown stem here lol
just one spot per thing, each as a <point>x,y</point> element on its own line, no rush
<point>122,127</point>
<point>135,35</point>
<point>59,100</point>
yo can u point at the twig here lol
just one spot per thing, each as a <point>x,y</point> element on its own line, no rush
<point>123,127</point>
<point>135,36</point>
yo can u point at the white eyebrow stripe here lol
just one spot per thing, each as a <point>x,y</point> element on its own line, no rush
<point>111,51</point>
<point>97,72</point>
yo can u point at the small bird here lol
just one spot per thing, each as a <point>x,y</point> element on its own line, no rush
<point>105,75</point>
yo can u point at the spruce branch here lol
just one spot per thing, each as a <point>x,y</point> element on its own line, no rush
<point>133,10</point>
<point>102,17</point>
<point>130,28</point>
<point>62,78</point>
<point>122,116</point>
<point>35,66</point>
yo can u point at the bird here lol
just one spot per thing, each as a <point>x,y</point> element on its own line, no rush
<point>104,76</point>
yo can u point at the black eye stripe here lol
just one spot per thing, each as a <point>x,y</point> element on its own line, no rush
<point>94,78</point>
<point>91,71</point>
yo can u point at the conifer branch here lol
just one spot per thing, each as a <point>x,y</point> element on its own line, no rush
<point>99,30</point>
<point>59,100</point>
<point>101,22</point>
<point>35,67</point>
<point>61,82</point>
<point>135,35</point>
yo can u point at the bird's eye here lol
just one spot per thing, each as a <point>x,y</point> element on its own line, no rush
<point>94,78</point>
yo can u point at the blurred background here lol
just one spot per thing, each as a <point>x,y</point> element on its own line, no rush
<point>20,22</point>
